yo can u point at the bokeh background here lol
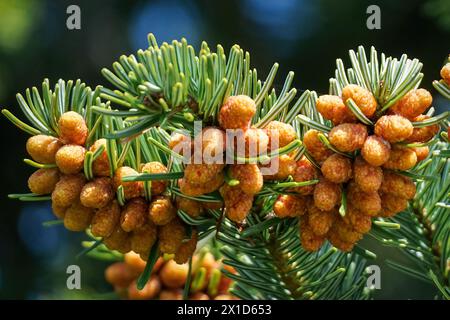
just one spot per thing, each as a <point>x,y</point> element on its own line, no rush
<point>305,36</point>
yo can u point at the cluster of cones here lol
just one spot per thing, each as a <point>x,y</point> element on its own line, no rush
<point>168,279</point>
<point>238,182</point>
<point>360,176</point>
<point>92,204</point>
<point>358,172</point>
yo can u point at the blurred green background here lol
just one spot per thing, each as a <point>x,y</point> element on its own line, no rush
<point>305,36</point>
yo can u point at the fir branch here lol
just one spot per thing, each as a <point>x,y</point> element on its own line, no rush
<point>170,79</point>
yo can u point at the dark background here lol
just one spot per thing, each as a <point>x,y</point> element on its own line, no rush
<point>305,36</point>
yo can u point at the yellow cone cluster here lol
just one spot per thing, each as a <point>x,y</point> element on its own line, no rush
<point>365,167</point>
<point>93,204</point>
<point>361,164</point>
<point>169,278</point>
<point>235,117</point>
